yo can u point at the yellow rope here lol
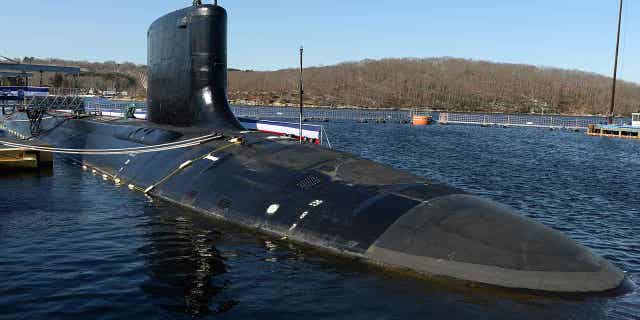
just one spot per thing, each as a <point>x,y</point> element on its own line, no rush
<point>188,164</point>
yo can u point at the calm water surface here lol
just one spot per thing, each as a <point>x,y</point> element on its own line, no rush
<point>73,246</point>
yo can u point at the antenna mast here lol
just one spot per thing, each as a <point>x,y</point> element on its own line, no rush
<point>301,91</point>
<point>615,70</point>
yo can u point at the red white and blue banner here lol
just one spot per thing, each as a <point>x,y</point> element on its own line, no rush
<point>283,128</point>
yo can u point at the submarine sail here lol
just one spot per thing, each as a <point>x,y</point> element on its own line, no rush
<point>187,59</point>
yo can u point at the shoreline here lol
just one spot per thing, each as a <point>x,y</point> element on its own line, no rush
<point>248,103</point>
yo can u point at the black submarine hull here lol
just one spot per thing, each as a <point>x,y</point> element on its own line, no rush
<point>324,198</point>
<point>335,201</point>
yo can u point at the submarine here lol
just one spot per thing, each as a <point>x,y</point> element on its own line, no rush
<point>193,152</point>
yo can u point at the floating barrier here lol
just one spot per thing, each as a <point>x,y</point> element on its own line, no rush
<point>521,120</point>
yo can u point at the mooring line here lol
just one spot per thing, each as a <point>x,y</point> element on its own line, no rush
<point>106,175</point>
<point>188,163</point>
<point>137,150</point>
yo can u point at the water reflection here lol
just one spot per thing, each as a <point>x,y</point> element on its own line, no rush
<point>187,272</point>
<point>17,174</point>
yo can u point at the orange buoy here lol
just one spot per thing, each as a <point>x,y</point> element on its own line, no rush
<point>421,120</point>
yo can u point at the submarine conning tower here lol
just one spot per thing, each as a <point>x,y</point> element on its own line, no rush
<point>187,58</point>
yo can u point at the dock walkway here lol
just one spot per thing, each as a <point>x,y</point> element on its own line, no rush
<point>521,120</point>
<point>614,131</point>
<point>20,158</point>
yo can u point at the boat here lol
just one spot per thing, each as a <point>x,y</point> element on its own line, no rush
<point>192,151</point>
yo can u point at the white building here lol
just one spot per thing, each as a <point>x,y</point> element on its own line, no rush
<point>635,119</point>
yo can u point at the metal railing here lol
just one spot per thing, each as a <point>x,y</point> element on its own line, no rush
<point>56,102</point>
<point>519,120</point>
<point>322,114</point>
<point>324,136</point>
<point>102,106</point>
<point>53,91</point>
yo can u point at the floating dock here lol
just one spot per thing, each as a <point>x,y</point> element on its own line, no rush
<point>13,158</point>
<point>614,131</point>
<point>16,158</point>
<point>519,120</point>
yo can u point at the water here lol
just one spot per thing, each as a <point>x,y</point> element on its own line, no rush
<point>74,246</point>
<point>388,115</point>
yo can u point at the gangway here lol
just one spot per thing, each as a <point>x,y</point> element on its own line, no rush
<point>37,106</point>
<point>74,103</point>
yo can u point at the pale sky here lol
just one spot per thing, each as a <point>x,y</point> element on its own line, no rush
<point>266,35</point>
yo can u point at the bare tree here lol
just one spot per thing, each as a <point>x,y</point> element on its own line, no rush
<point>439,83</point>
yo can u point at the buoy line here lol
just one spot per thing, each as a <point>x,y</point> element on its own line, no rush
<point>138,150</point>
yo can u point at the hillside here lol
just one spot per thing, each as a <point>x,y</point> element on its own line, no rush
<point>433,83</point>
<point>439,83</point>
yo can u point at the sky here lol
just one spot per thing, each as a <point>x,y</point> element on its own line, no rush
<point>266,35</point>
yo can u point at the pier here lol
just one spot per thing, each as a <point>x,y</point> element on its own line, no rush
<point>12,158</point>
<point>614,131</point>
<point>16,158</point>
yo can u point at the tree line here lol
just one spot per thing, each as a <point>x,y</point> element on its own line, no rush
<point>432,83</point>
<point>441,84</point>
<point>108,75</point>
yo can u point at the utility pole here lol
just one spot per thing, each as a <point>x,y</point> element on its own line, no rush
<point>115,80</point>
<point>301,91</point>
<point>615,70</point>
